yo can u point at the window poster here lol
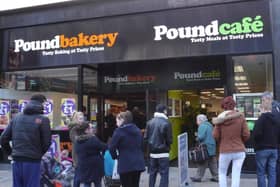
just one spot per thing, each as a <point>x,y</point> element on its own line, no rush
<point>48,110</point>
<point>249,104</point>
<point>22,104</point>
<point>68,107</point>
<point>5,110</point>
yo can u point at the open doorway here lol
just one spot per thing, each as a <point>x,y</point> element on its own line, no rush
<point>185,105</point>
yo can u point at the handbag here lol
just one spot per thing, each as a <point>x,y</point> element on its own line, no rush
<point>199,153</point>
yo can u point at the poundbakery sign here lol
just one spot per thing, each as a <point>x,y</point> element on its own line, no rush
<point>247,28</point>
<point>96,43</point>
<point>226,29</point>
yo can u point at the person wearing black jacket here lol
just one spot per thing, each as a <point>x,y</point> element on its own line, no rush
<point>158,134</point>
<point>30,134</point>
<point>266,137</point>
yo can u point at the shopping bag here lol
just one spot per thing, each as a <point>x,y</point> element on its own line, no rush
<point>199,153</point>
<point>115,171</point>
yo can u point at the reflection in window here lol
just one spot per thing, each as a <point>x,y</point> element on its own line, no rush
<point>253,73</point>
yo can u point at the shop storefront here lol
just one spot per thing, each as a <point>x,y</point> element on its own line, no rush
<point>182,57</point>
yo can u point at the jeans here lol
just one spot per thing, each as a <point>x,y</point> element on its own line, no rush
<point>211,163</point>
<point>26,174</point>
<point>237,162</point>
<point>278,170</point>
<point>160,165</point>
<point>76,181</point>
<point>266,161</point>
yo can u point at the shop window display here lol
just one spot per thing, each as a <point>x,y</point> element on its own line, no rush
<point>58,85</point>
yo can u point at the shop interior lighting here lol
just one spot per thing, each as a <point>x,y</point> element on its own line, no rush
<point>241,84</point>
<point>205,92</point>
<point>238,69</point>
<point>219,89</point>
<point>203,105</point>
<point>240,78</point>
<point>222,92</point>
<point>243,88</point>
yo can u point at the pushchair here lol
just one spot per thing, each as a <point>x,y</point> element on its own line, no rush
<point>111,178</point>
<point>54,173</point>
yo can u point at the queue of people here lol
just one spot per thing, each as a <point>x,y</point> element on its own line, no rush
<point>228,133</point>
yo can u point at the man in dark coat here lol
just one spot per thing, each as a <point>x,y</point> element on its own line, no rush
<point>30,134</point>
<point>266,137</point>
<point>159,137</point>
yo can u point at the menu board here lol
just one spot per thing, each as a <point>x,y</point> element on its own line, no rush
<point>249,104</point>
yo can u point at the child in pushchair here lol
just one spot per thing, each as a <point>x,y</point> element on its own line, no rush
<point>110,179</point>
<point>54,172</point>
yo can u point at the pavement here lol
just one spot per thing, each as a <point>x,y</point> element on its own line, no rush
<point>246,179</point>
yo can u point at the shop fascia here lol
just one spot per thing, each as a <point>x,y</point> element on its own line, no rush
<point>247,25</point>
<point>61,41</point>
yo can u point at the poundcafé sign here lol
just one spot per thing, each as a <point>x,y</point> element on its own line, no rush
<point>247,28</point>
<point>216,30</point>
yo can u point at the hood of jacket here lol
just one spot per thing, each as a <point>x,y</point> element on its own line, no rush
<point>227,118</point>
<point>83,138</point>
<point>33,107</point>
<point>130,128</point>
<point>160,115</point>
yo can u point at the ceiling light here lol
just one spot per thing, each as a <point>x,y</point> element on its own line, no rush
<point>218,89</point>
<point>241,84</point>
<point>205,92</point>
<point>240,78</point>
<point>203,105</point>
<point>243,88</point>
<point>238,69</point>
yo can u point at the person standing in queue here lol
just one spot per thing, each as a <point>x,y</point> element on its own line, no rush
<point>204,135</point>
<point>30,134</point>
<point>231,132</point>
<point>127,146</point>
<point>89,150</point>
<point>158,134</point>
<point>266,134</point>
<point>76,120</point>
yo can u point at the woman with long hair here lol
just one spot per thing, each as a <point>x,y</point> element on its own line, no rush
<point>231,132</point>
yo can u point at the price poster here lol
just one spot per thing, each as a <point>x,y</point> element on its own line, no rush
<point>48,110</point>
<point>5,110</point>
<point>54,149</point>
<point>22,104</point>
<point>68,107</point>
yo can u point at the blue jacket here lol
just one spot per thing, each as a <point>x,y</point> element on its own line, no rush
<point>127,140</point>
<point>204,135</point>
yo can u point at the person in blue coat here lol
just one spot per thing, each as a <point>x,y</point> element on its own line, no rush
<point>127,146</point>
<point>89,149</point>
<point>204,135</point>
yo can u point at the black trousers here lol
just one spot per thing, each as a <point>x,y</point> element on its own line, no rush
<point>130,179</point>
